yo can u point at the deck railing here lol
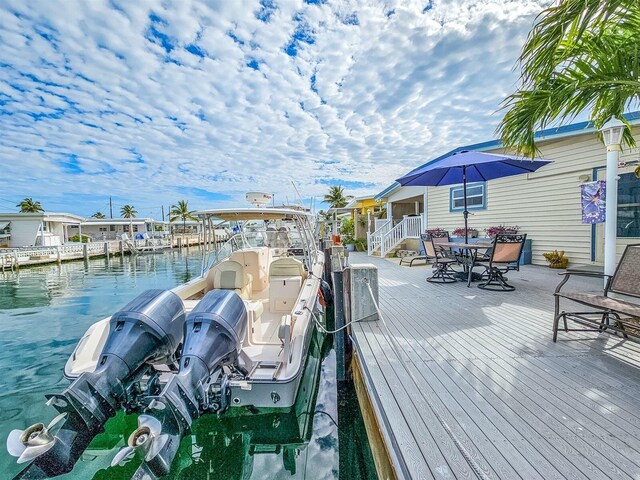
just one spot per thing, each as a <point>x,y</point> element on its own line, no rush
<point>375,238</point>
<point>409,227</point>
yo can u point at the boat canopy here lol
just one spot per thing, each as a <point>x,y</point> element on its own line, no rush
<point>252,214</point>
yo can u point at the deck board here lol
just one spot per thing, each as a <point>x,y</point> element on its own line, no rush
<point>520,405</point>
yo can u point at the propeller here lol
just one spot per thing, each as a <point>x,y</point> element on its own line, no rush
<point>34,441</point>
<point>146,441</point>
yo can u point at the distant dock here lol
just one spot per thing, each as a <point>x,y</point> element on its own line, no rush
<point>14,258</point>
<point>479,390</point>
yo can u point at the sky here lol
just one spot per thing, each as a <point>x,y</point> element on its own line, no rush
<point>151,102</point>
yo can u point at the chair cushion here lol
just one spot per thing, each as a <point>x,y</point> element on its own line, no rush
<point>286,267</point>
<point>283,292</point>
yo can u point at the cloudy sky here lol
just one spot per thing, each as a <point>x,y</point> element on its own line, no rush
<point>155,101</point>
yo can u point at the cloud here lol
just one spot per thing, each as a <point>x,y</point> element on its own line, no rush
<point>153,101</point>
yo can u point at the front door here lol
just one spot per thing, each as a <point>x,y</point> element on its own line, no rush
<point>628,230</point>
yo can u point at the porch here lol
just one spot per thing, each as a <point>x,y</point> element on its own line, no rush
<point>484,363</point>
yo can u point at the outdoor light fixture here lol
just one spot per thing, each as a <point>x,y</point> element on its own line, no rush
<point>612,133</point>
<point>612,137</point>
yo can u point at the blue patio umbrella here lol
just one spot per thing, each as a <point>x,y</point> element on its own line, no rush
<point>468,166</point>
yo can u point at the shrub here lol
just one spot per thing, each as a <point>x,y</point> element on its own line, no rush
<point>556,259</point>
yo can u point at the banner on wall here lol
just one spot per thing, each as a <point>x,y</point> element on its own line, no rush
<point>593,201</point>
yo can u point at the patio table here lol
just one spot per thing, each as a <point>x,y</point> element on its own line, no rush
<point>471,257</point>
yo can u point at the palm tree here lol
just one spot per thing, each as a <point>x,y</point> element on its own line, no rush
<point>580,55</point>
<point>129,211</point>
<point>29,206</point>
<point>98,215</point>
<point>336,198</point>
<point>181,212</point>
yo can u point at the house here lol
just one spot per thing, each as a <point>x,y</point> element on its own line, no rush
<point>546,204</point>
<point>36,229</point>
<point>113,228</point>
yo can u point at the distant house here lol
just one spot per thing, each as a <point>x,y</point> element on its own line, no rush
<point>113,228</point>
<point>545,204</point>
<point>36,229</point>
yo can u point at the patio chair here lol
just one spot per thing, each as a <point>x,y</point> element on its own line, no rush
<point>616,314</point>
<point>443,272</point>
<point>412,258</point>
<point>505,256</point>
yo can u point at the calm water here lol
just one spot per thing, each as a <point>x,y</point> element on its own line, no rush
<point>45,310</point>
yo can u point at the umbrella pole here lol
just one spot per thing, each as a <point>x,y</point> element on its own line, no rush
<point>466,212</point>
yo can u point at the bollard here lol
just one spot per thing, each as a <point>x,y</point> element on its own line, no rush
<point>121,248</point>
<point>59,258</point>
<point>85,251</point>
<point>340,337</point>
<point>358,304</point>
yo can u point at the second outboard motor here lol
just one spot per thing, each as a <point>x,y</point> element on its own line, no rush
<point>213,335</point>
<point>147,330</point>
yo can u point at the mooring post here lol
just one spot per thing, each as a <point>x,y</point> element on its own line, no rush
<point>359,306</point>
<point>85,251</point>
<point>337,268</point>
<point>58,257</point>
<point>121,245</point>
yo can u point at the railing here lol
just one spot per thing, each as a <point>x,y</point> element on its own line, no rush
<point>30,255</point>
<point>374,239</point>
<point>409,227</point>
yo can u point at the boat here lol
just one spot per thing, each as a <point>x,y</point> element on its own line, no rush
<point>236,336</point>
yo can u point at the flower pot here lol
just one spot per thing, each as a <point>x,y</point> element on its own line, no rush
<point>351,247</point>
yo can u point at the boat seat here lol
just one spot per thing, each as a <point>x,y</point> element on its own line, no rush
<point>255,308</point>
<point>286,275</point>
<point>230,275</point>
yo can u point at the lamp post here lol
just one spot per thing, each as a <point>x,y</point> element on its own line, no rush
<point>612,137</point>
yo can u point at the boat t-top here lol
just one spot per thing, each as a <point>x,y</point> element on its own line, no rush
<point>235,336</point>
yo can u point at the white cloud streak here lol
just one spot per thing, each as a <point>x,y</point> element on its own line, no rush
<point>149,100</point>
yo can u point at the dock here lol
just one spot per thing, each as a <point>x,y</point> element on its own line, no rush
<point>477,389</point>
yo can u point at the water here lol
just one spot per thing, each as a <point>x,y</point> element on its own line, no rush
<point>44,311</point>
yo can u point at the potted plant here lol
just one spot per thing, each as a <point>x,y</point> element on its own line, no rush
<point>347,233</point>
<point>556,259</point>
<point>435,231</point>
<point>493,231</point>
<point>460,232</point>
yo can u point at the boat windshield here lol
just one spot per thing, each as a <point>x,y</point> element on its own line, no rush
<point>285,238</point>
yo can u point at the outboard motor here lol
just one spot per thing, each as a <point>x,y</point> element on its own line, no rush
<point>213,334</point>
<point>147,330</point>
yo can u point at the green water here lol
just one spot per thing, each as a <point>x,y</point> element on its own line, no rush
<point>45,310</point>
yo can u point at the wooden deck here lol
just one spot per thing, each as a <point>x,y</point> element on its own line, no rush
<point>488,380</point>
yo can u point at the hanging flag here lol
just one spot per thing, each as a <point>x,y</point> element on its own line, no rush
<point>593,201</point>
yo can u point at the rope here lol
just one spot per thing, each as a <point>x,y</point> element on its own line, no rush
<point>321,327</point>
<point>466,455</point>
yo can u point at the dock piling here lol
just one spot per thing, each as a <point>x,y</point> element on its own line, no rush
<point>340,338</point>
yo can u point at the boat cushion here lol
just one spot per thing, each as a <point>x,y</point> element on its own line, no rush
<point>230,275</point>
<point>286,267</point>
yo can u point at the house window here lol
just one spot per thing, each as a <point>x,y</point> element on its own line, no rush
<point>103,229</point>
<point>135,228</point>
<point>628,206</point>
<point>476,197</point>
<point>112,228</point>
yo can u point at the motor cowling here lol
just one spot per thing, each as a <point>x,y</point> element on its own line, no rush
<point>147,330</point>
<point>213,335</point>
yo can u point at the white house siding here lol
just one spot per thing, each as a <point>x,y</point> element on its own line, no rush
<point>23,231</point>
<point>545,204</point>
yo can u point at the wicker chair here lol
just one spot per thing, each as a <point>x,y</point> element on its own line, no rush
<point>505,256</point>
<point>441,257</point>
<point>617,313</point>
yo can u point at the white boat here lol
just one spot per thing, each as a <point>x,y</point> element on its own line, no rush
<point>238,335</point>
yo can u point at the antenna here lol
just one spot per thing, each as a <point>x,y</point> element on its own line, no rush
<point>299,196</point>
